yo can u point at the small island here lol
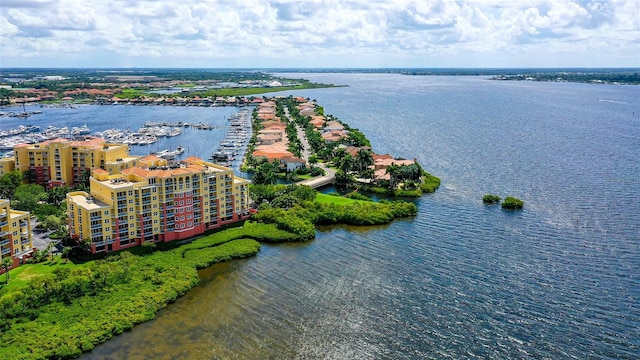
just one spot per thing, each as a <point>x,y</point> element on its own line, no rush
<point>490,199</point>
<point>512,203</point>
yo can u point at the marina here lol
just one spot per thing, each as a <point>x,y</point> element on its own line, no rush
<point>227,130</point>
<point>232,147</point>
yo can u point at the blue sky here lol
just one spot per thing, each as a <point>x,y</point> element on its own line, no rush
<point>319,33</point>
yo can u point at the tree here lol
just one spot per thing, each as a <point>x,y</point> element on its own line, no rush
<point>57,195</point>
<point>65,253</point>
<point>364,159</point>
<point>27,196</point>
<point>265,174</point>
<point>84,177</point>
<point>393,171</point>
<point>29,176</point>
<point>6,264</point>
<point>150,245</point>
<point>8,184</point>
<point>344,163</point>
<point>52,222</point>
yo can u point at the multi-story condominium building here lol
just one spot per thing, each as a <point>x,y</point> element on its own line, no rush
<point>15,234</point>
<point>7,164</point>
<point>157,201</point>
<point>62,162</point>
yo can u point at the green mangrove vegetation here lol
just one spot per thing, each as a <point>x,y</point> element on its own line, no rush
<point>512,203</point>
<point>69,309</point>
<point>59,309</point>
<point>490,199</point>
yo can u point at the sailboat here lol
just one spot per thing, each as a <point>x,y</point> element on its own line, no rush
<point>24,113</point>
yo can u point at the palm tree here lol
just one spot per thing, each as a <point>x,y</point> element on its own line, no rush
<point>265,174</point>
<point>29,175</point>
<point>6,264</point>
<point>393,171</point>
<point>345,163</point>
<point>65,253</point>
<point>57,195</point>
<point>364,159</point>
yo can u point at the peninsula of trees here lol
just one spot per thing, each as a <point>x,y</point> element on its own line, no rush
<point>295,140</point>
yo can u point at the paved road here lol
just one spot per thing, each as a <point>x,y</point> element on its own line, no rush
<point>40,238</point>
<point>317,181</point>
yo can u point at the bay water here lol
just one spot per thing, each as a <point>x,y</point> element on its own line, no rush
<point>559,279</point>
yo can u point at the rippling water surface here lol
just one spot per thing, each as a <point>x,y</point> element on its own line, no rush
<point>559,279</point>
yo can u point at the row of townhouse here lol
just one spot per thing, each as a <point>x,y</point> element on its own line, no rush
<point>15,234</point>
<point>156,201</point>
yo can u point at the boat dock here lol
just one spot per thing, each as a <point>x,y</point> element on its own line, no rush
<point>233,145</point>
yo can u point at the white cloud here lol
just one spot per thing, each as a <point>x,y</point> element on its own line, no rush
<point>317,33</point>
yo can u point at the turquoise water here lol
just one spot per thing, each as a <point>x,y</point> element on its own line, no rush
<point>559,279</point>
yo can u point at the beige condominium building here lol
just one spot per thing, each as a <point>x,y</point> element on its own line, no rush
<point>15,234</point>
<point>156,201</point>
<point>63,162</point>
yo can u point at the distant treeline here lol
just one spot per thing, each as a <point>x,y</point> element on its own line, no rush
<point>595,77</point>
<point>78,76</point>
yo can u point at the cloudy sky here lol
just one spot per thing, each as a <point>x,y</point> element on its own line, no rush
<point>319,33</point>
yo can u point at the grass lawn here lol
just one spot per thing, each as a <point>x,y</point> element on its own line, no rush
<point>338,200</point>
<point>21,275</point>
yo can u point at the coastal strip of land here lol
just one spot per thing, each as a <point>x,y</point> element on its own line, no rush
<point>63,307</point>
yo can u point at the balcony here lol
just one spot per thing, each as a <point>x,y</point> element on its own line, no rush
<point>6,251</point>
<point>4,223</point>
<point>3,215</point>
<point>4,242</point>
<point>3,233</point>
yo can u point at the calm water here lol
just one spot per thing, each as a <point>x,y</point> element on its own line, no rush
<point>559,279</point>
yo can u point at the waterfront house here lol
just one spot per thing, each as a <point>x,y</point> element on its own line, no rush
<point>291,163</point>
<point>333,136</point>
<point>318,121</point>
